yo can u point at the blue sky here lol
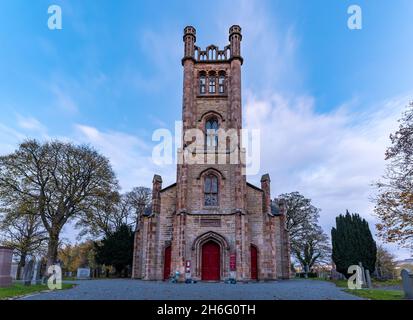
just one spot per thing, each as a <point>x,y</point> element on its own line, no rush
<point>325,97</point>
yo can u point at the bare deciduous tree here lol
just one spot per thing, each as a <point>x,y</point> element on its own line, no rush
<point>23,231</point>
<point>394,203</point>
<point>62,179</point>
<point>312,247</point>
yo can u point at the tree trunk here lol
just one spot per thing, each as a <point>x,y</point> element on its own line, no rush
<point>52,247</point>
<point>21,265</point>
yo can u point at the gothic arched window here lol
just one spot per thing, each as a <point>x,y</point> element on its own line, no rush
<point>211,133</point>
<point>211,190</point>
<point>211,83</point>
<point>221,83</point>
<point>202,84</point>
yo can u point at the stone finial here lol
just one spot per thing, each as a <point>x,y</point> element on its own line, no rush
<point>235,29</point>
<point>156,193</point>
<point>265,177</point>
<point>189,30</point>
<point>157,178</point>
<point>189,40</point>
<point>266,197</point>
<point>235,38</point>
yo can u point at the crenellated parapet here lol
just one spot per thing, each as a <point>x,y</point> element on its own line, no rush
<point>212,53</point>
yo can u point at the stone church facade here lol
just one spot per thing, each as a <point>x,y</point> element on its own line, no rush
<point>212,224</point>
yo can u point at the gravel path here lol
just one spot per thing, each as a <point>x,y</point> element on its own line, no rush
<point>118,289</point>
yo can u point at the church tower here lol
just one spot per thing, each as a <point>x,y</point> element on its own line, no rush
<point>211,224</point>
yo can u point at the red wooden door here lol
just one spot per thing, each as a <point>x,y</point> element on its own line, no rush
<point>167,263</point>
<point>211,261</point>
<point>254,264</point>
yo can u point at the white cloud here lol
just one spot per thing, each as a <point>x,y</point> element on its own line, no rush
<point>332,158</point>
<point>31,124</point>
<point>63,100</point>
<point>130,156</point>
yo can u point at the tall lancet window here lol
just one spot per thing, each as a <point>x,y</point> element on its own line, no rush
<point>211,190</point>
<point>202,84</point>
<point>221,83</point>
<point>212,82</point>
<point>211,133</point>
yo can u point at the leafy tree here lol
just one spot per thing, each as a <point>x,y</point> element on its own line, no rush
<point>394,203</point>
<point>63,180</point>
<point>23,231</point>
<point>116,249</point>
<point>301,215</point>
<point>385,264</point>
<point>140,198</point>
<point>77,256</point>
<point>309,244</point>
<point>102,217</point>
<point>312,248</point>
<point>352,243</point>
<point>110,212</point>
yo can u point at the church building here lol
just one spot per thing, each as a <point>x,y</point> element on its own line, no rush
<point>212,225</point>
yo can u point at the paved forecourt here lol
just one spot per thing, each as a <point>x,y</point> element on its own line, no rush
<point>118,289</point>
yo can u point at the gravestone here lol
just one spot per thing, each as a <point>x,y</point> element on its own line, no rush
<point>37,272</point>
<point>363,275</point>
<point>407,278</point>
<point>5,266</point>
<point>13,271</point>
<point>368,279</point>
<point>28,273</point>
<point>83,273</point>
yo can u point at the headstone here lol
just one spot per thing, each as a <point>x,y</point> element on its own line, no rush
<point>363,274</point>
<point>407,278</point>
<point>28,273</point>
<point>368,279</point>
<point>335,275</point>
<point>83,273</point>
<point>37,272</point>
<point>13,271</point>
<point>5,266</point>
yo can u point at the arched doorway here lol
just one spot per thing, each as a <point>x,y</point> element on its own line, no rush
<point>254,263</point>
<point>211,261</point>
<point>167,263</point>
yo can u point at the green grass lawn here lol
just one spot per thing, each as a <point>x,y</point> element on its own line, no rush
<point>387,283</point>
<point>376,294</point>
<point>373,294</point>
<point>19,289</point>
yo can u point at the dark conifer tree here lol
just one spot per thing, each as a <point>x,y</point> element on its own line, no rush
<point>352,243</point>
<point>116,249</point>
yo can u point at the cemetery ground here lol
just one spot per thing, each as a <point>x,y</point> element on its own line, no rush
<point>294,289</point>
<point>382,290</point>
<point>124,289</point>
<point>18,289</point>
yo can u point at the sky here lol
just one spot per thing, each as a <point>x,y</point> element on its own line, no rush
<point>325,97</point>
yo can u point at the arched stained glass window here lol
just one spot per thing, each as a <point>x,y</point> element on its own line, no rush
<point>211,133</point>
<point>211,190</point>
<point>202,84</point>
